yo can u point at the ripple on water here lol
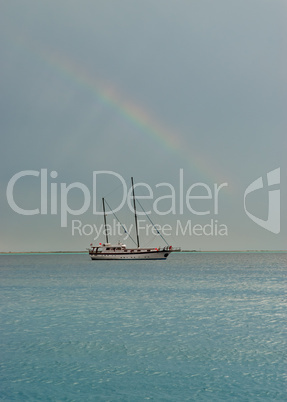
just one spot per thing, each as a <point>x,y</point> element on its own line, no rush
<point>198,326</point>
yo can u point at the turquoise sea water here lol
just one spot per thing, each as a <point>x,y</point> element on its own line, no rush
<point>198,326</point>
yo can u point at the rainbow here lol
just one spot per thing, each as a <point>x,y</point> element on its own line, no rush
<point>129,110</point>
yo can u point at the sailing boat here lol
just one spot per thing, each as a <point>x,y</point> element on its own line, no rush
<point>107,251</point>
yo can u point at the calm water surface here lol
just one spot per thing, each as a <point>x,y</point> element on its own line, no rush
<point>198,326</point>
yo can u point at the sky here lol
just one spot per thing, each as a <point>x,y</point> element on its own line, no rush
<point>188,93</point>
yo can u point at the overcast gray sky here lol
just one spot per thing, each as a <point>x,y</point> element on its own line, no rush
<point>143,89</point>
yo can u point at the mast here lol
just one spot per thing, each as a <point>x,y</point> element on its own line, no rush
<point>136,219</point>
<point>107,240</point>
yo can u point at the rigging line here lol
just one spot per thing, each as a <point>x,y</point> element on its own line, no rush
<point>114,190</point>
<point>152,223</point>
<point>120,223</point>
<point>150,241</point>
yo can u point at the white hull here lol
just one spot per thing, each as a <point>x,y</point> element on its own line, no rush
<point>152,255</point>
<point>107,251</point>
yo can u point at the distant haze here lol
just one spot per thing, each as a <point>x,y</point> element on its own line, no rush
<point>182,93</point>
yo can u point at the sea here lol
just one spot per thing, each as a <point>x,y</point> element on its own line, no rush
<point>196,327</point>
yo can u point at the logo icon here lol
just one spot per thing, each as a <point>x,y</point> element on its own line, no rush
<point>273,220</point>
